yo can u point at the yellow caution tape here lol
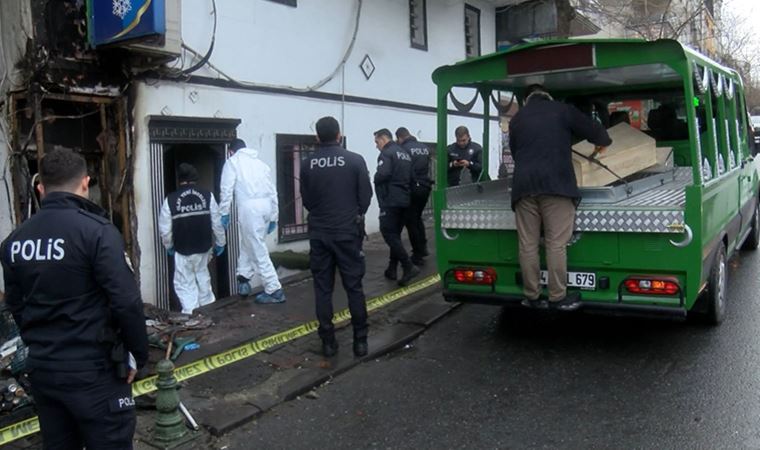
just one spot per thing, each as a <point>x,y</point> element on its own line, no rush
<point>209,363</point>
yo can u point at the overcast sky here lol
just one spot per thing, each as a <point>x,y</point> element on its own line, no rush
<point>749,10</point>
<point>749,6</point>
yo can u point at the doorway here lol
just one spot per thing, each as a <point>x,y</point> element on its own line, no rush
<point>208,160</point>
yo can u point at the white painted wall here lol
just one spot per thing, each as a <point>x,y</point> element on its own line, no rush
<point>270,43</point>
<point>15,26</point>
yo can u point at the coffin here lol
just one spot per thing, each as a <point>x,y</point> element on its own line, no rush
<point>631,151</point>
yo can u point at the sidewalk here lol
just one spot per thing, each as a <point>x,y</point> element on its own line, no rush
<point>232,395</point>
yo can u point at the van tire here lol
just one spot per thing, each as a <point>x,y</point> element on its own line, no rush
<point>716,289</point>
<point>753,239</point>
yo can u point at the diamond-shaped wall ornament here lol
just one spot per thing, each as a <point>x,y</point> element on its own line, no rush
<point>367,66</point>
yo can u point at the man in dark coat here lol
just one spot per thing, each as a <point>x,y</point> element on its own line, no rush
<point>544,190</point>
<point>73,295</point>
<point>336,190</point>
<point>393,181</point>
<point>420,192</point>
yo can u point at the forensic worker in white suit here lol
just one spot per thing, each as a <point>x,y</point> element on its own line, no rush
<point>189,224</point>
<point>249,179</point>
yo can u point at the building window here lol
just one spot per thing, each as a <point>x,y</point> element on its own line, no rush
<point>710,7</point>
<point>418,24</point>
<point>471,31</point>
<point>292,3</point>
<point>292,150</point>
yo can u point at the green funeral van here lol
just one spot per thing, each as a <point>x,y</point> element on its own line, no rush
<point>651,244</point>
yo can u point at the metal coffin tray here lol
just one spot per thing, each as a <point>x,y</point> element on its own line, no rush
<point>648,203</point>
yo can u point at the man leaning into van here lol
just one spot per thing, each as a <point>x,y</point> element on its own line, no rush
<point>544,190</point>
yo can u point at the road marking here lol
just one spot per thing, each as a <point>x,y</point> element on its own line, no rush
<point>30,426</point>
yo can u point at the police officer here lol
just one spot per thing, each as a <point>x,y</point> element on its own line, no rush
<point>72,293</point>
<point>189,224</point>
<point>392,185</point>
<point>464,154</point>
<point>336,190</point>
<point>420,192</point>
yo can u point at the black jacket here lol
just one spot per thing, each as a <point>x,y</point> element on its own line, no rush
<point>420,161</point>
<point>69,287</point>
<point>335,188</point>
<point>393,178</point>
<point>473,153</point>
<point>540,138</point>
<point>190,206</point>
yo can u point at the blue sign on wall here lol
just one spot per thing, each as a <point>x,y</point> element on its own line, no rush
<point>110,21</point>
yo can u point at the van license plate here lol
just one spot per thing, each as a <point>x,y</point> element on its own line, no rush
<point>583,280</point>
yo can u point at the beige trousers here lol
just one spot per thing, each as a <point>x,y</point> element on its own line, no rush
<point>557,214</point>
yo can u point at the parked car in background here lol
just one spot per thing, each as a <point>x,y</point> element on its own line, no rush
<point>755,128</point>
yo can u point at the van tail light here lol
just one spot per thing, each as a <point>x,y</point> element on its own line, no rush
<point>652,285</point>
<point>475,275</point>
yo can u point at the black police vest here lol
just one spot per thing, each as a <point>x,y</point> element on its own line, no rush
<point>191,220</point>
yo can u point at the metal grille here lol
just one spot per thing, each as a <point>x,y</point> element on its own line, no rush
<point>292,151</point>
<point>157,189</point>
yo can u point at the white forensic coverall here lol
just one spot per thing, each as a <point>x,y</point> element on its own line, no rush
<point>192,281</point>
<point>250,180</point>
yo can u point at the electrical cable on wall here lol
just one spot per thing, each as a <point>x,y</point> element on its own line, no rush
<point>205,61</point>
<point>210,50</point>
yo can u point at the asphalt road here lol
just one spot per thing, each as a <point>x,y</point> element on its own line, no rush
<point>484,378</point>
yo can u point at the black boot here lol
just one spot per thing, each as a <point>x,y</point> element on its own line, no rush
<point>391,272</point>
<point>360,347</point>
<point>329,347</point>
<point>410,271</point>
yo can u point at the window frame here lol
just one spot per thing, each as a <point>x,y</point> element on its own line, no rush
<point>470,8</point>
<point>285,143</point>
<point>291,3</point>
<point>412,43</point>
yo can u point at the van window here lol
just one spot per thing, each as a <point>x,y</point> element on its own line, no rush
<point>662,114</point>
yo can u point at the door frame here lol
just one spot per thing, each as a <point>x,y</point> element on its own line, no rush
<point>172,130</point>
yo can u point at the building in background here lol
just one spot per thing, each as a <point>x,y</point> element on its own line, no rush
<point>693,22</point>
<point>140,86</point>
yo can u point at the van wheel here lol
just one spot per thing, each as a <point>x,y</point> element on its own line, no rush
<point>716,289</point>
<point>753,239</point>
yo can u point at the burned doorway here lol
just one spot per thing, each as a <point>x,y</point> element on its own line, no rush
<point>92,126</point>
<point>208,160</point>
<point>202,143</point>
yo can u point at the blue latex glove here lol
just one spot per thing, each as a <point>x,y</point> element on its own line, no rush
<point>218,250</point>
<point>170,251</point>
<point>272,226</point>
<point>226,221</point>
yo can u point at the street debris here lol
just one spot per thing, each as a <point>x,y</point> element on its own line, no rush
<point>312,395</point>
<point>14,385</point>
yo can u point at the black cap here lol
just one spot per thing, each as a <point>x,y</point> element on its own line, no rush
<point>186,173</point>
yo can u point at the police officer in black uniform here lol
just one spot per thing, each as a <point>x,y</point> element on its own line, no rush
<point>74,297</point>
<point>464,154</point>
<point>420,192</point>
<point>393,181</point>
<point>336,190</point>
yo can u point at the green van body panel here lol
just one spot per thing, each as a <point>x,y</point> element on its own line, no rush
<point>717,209</point>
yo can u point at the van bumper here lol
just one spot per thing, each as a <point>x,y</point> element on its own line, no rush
<point>610,309</point>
